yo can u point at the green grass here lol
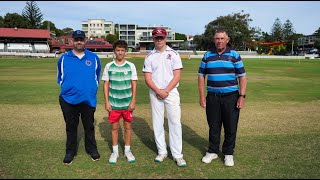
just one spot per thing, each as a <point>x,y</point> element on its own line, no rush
<point>278,134</point>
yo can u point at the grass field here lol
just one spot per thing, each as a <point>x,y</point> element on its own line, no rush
<point>278,133</point>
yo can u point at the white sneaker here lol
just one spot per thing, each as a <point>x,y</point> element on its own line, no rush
<point>160,157</point>
<point>209,157</point>
<point>228,160</point>
<point>129,156</point>
<point>113,158</point>
<point>180,162</point>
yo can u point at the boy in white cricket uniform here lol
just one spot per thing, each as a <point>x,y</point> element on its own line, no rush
<point>162,71</point>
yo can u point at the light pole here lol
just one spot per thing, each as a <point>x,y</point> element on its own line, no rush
<point>292,47</point>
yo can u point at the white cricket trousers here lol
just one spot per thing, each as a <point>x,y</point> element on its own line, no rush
<point>172,106</point>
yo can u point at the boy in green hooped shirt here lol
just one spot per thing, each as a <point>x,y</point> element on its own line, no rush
<point>120,83</point>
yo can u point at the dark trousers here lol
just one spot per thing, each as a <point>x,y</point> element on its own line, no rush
<point>221,110</point>
<point>71,114</point>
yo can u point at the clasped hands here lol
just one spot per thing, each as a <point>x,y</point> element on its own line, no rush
<point>162,94</point>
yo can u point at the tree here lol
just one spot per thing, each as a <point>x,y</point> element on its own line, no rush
<point>181,36</point>
<point>111,38</point>
<point>276,30</point>
<point>67,30</point>
<point>33,14</point>
<point>59,32</point>
<point>237,27</point>
<point>317,41</point>
<point>317,32</point>
<point>1,21</point>
<point>14,20</point>
<point>199,40</point>
<point>288,30</point>
<point>51,25</point>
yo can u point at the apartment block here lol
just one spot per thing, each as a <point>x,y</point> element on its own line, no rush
<point>97,27</point>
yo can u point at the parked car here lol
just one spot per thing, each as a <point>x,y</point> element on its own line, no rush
<point>313,51</point>
<point>56,51</point>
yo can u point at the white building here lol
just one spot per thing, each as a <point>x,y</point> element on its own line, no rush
<point>136,36</point>
<point>97,27</point>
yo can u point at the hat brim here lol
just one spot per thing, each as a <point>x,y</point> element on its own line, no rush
<point>159,35</point>
<point>82,37</point>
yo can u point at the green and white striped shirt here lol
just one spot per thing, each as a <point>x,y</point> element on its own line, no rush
<point>120,77</point>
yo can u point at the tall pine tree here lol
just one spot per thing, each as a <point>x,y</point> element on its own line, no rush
<point>33,14</point>
<point>276,30</point>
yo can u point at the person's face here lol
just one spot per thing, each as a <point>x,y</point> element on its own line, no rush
<point>159,42</point>
<point>119,52</point>
<point>221,40</point>
<point>78,44</point>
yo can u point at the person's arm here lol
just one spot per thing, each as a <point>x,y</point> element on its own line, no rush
<point>134,90</point>
<point>177,68</point>
<point>98,70</point>
<point>201,84</point>
<point>106,90</point>
<point>150,83</point>
<point>59,70</point>
<point>242,91</point>
<point>174,81</point>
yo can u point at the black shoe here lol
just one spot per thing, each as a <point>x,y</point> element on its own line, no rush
<point>95,156</point>
<point>68,158</point>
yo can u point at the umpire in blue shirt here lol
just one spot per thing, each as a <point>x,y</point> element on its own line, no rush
<point>79,77</point>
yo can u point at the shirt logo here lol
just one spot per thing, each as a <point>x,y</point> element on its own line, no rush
<point>229,58</point>
<point>125,72</point>
<point>169,56</point>
<point>88,63</point>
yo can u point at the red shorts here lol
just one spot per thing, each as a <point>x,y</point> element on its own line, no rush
<point>116,115</point>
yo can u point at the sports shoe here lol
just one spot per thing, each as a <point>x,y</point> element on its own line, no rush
<point>160,157</point>
<point>95,156</point>
<point>228,160</point>
<point>130,157</point>
<point>113,158</point>
<point>209,157</point>
<point>180,162</point>
<point>68,158</point>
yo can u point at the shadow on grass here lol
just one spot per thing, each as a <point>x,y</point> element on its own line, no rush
<point>146,135</point>
<point>195,140</point>
<point>142,129</point>
<point>105,128</point>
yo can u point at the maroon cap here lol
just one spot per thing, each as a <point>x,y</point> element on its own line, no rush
<point>159,32</point>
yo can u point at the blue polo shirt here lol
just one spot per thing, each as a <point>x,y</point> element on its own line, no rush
<point>79,78</point>
<point>222,70</point>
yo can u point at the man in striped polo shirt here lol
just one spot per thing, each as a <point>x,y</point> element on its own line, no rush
<point>225,71</point>
<point>120,84</point>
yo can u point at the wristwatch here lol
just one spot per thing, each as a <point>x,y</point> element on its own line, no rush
<point>244,96</point>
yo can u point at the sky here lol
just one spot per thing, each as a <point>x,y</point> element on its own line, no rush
<point>186,17</point>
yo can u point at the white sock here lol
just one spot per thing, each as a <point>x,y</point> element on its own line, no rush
<point>126,148</point>
<point>115,149</point>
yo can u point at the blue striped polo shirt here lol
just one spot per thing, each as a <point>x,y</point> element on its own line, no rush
<point>222,70</point>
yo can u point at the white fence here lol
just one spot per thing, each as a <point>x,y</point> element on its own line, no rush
<point>191,55</point>
<point>28,54</point>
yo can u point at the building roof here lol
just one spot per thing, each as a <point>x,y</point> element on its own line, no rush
<point>24,33</point>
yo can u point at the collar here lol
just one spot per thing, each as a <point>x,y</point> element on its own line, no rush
<point>70,53</point>
<point>167,49</point>
<point>227,50</point>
